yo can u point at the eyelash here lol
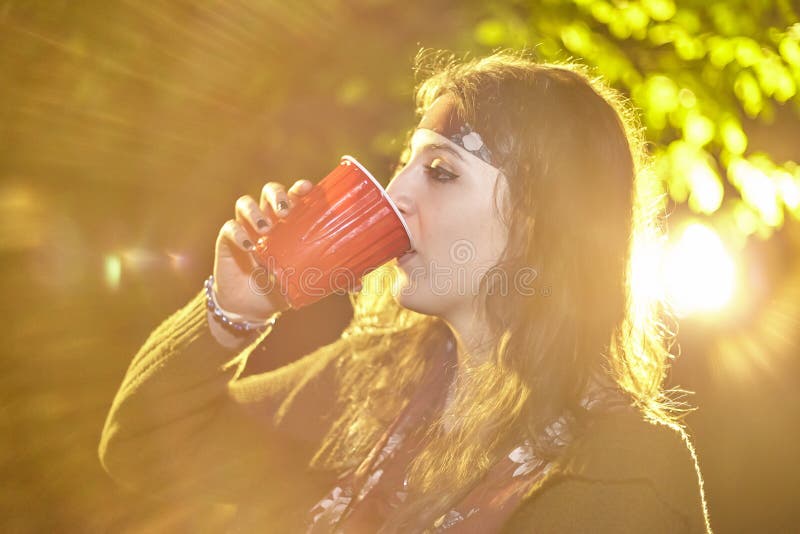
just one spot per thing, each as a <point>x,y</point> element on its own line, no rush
<point>434,172</point>
<point>437,172</point>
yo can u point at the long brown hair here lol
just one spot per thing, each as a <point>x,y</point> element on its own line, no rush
<point>572,153</point>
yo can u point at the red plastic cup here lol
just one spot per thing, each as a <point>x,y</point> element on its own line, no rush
<point>345,227</point>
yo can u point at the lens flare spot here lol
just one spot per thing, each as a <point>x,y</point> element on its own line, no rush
<point>699,272</point>
<point>112,270</point>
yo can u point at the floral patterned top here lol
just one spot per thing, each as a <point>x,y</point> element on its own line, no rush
<point>363,497</point>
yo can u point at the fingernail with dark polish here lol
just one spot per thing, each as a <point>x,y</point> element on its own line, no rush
<point>247,244</point>
<point>283,205</point>
<point>262,224</point>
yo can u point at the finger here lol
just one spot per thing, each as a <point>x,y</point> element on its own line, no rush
<point>234,233</point>
<point>300,188</point>
<point>249,214</point>
<point>274,198</point>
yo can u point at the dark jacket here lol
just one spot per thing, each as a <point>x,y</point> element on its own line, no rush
<point>185,425</point>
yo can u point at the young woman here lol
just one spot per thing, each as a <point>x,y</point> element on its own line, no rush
<point>503,377</point>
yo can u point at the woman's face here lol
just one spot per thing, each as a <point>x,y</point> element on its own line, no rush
<point>446,195</point>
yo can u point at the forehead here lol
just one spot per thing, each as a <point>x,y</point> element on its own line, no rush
<point>442,116</point>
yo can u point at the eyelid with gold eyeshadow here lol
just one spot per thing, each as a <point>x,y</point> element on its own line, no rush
<point>435,170</point>
<point>432,168</point>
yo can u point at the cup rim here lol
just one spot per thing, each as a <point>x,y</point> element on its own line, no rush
<point>354,161</point>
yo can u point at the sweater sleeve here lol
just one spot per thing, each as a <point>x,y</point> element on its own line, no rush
<point>183,425</point>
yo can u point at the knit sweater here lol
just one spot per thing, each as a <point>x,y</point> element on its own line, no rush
<point>185,425</point>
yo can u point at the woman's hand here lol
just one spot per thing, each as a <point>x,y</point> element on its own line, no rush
<point>234,263</point>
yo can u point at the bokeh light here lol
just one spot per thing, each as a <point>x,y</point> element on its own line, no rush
<point>694,273</point>
<point>112,271</point>
<point>699,272</point>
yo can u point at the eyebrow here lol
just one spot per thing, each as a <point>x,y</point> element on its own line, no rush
<point>441,146</point>
<point>446,148</point>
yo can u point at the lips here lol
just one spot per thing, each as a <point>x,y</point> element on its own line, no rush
<point>406,255</point>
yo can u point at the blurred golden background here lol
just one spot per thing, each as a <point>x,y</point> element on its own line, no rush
<point>128,129</point>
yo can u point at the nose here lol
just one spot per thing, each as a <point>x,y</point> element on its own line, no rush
<point>398,190</point>
<point>401,192</point>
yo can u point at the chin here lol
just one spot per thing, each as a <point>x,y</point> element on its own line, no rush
<point>416,300</point>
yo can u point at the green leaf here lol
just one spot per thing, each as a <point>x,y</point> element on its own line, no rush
<point>491,33</point>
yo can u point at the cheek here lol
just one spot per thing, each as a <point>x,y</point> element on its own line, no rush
<point>442,221</point>
<point>461,227</point>
<point>486,230</point>
<point>498,239</point>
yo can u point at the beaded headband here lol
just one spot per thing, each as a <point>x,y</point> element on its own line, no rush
<point>442,117</point>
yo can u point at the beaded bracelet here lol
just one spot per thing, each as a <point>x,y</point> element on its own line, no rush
<point>231,320</point>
